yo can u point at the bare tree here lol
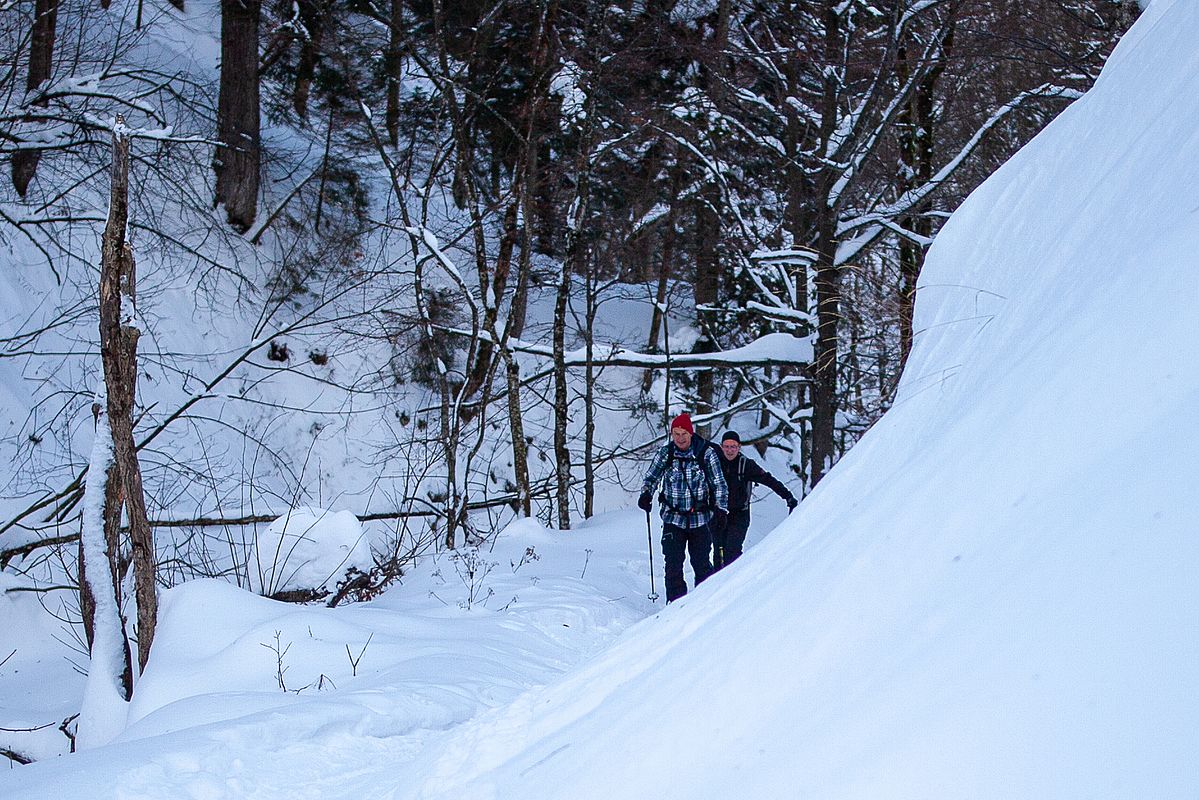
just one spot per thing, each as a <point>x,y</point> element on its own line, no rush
<point>115,469</point>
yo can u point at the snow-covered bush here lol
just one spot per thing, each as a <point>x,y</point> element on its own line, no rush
<point>307,549</point>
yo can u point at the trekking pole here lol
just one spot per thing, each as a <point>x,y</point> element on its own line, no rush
<point>649,537</point>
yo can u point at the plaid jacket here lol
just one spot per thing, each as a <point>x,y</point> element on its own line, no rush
<point>685,484</point>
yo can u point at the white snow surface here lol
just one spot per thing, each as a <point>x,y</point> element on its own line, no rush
<point>307,548</point>
<point>992,596</point>
<point>250,697</point>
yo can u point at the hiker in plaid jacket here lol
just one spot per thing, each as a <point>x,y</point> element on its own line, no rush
<point>694,499</point>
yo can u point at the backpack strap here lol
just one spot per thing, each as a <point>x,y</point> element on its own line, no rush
<point>709,481</point>
<point>709,501</point>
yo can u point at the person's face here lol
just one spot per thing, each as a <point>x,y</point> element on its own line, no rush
<point>731,448</point>
<point>681,438</point>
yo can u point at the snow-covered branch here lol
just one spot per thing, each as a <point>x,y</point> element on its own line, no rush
<point>773,349</point>
<point>877,219</point>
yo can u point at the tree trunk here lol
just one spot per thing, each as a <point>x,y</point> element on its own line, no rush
<point>87,600</point>
<point>669,237</point>
<point>799,222</point>
<point>589,396</point>
<point>577,259</point>
<point>312,14</point>
<point>110,521</point>
<point>667,416</point>
<point>514,329</point>
<point>540,188</point>
<point>561,395</point>
<point>916,147</point>
<point>709,231</point>
<point>520,447</point>
<point>707,289</point>
<point>491,287</point>
<point>238,126</point>
<point>828,274</point>
<point>393,66</point>
<point>118,347</point>
<point>824,366</point>
<point>110,671</point>
<point>112,479</point>
<point>41,59</point>
<point>799,188</point>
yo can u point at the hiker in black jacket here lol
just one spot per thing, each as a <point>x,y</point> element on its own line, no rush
<point>740,473</point>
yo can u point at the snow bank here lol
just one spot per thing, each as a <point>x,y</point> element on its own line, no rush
<point>307,548</point>
<point>41,689</point>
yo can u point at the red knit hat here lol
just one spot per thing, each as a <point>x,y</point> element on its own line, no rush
<point>683,421</point>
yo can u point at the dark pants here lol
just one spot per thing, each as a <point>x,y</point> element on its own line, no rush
<point>674,541</point>
<point>726,545</point>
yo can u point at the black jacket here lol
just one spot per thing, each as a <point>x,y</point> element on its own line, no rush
<point>740,473</point>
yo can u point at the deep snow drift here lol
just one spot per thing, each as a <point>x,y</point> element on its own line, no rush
<point>992,596</point>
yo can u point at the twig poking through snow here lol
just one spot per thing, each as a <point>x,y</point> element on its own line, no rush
<point>355,661</point>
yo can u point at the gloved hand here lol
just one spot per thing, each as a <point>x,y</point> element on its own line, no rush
<point>645,502</point>
<point>791,504</point>
<point>720,518</point>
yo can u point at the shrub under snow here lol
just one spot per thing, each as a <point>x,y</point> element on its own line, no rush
<point>307,548</point>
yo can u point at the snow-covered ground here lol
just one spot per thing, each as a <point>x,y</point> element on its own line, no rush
<point>992,596</point>
<point>249,697</point>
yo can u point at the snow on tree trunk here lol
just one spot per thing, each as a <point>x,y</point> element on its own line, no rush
<point>107,690</point>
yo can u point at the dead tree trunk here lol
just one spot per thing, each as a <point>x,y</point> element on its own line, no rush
<point>110,562</point>
<point>238,126</point>
<point>118,349</point>
<point>111,667</point>
<point>41,57</point>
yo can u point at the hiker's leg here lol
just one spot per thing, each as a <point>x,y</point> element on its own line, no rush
<point>735,535</point>
<point>674,541</point>
<point>719,544</point>
<point>699,542</point>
